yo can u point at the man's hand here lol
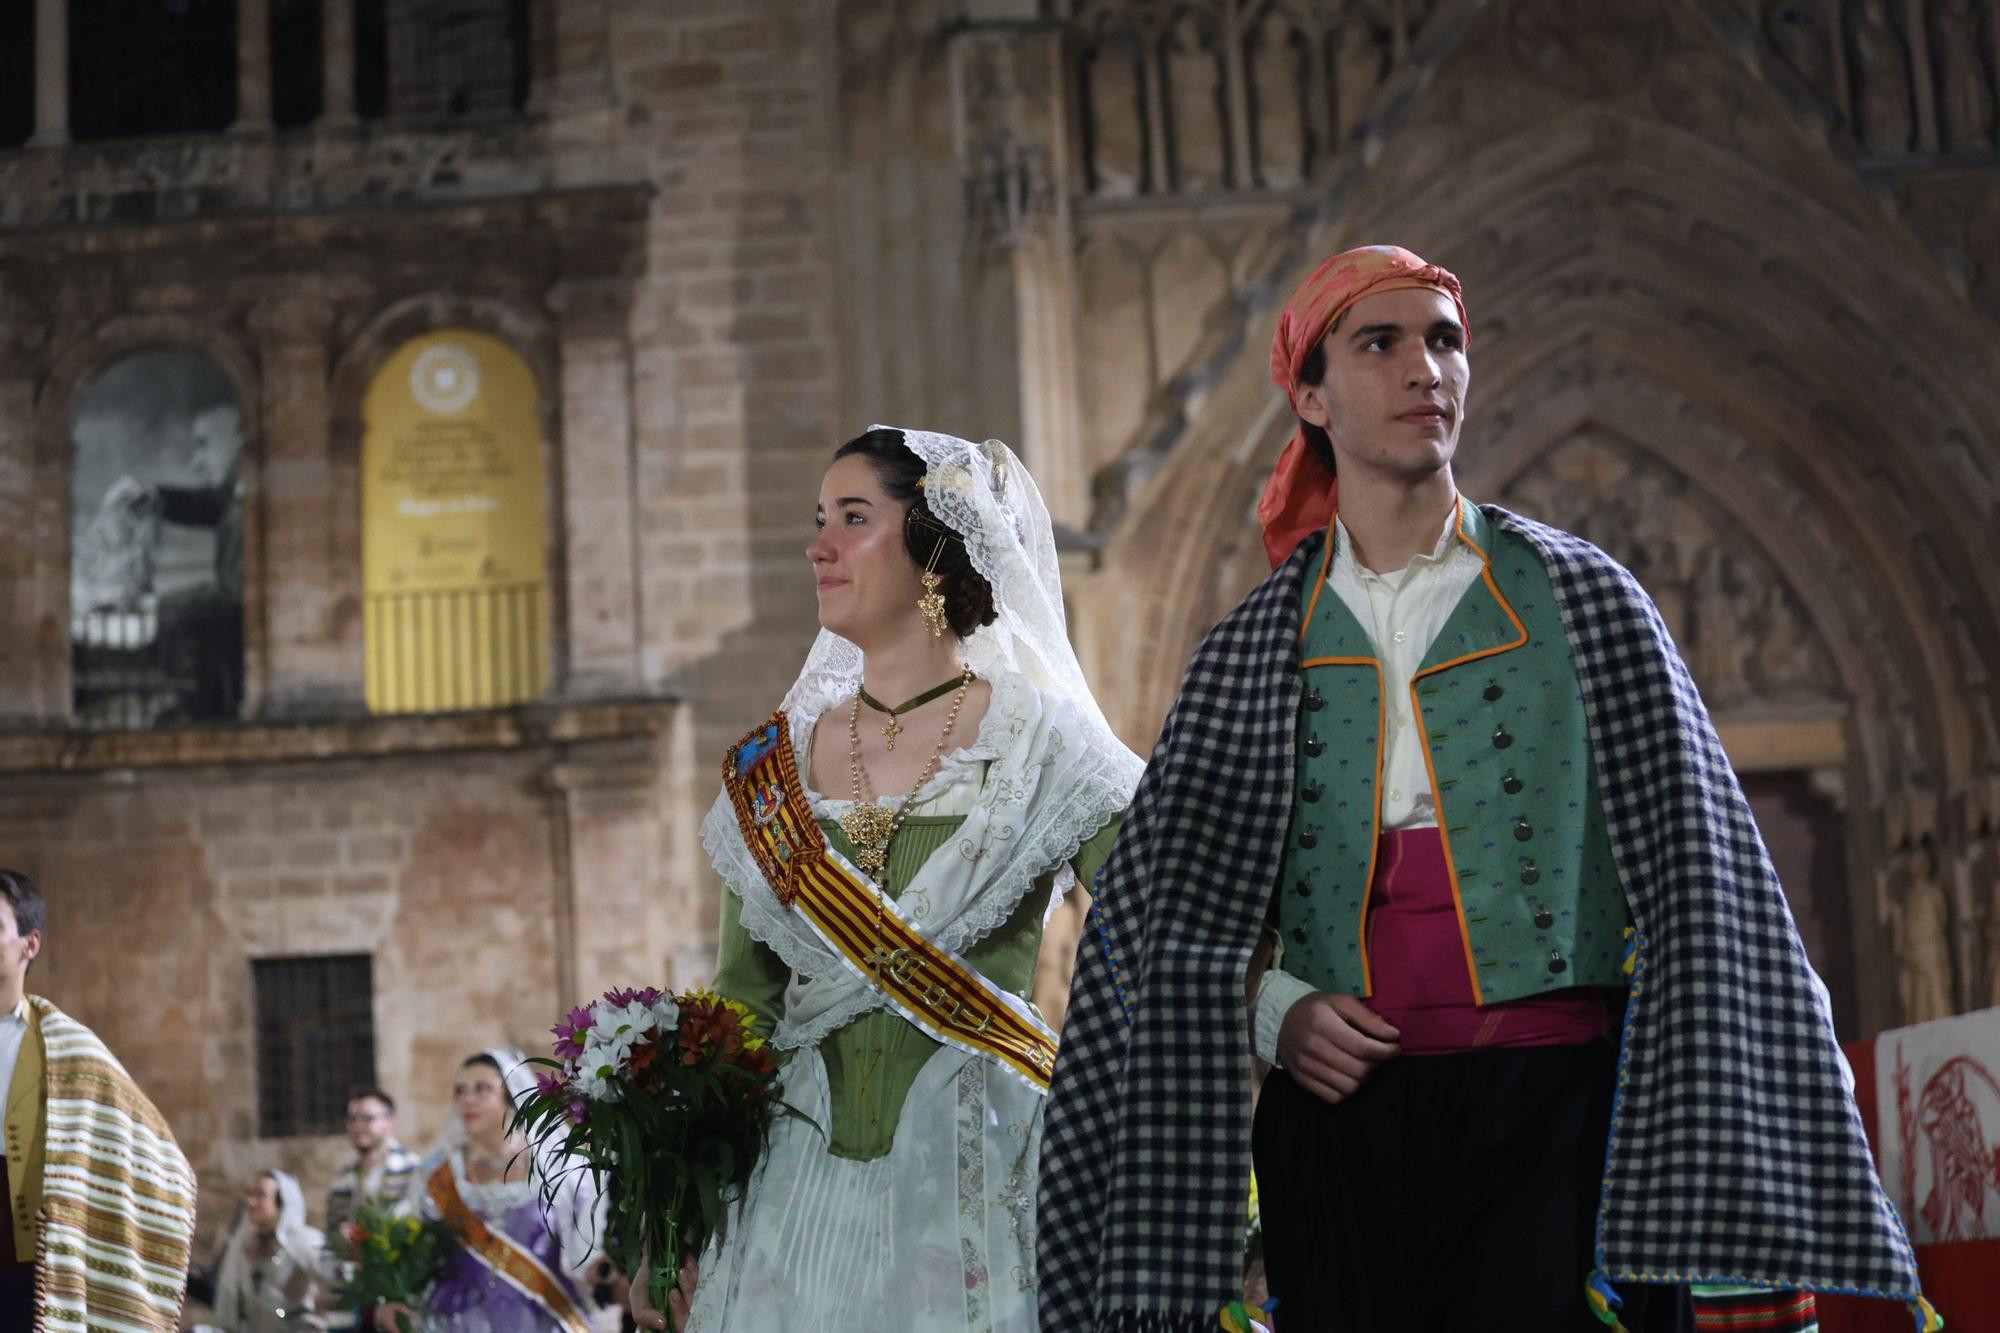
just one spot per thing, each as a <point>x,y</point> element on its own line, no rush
<point>645,1314</point>
<point>1331,1043</point>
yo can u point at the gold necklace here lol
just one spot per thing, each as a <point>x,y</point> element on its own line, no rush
<point>871,826</point>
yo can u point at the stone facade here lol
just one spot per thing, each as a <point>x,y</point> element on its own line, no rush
<point>1729,275</point>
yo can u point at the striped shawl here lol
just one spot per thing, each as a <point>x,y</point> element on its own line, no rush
<point>118,1197</point>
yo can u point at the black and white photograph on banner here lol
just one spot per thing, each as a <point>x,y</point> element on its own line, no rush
<point>156,570</point>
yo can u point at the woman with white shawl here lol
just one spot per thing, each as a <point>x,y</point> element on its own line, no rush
<point>886,904</point>
<point>270,1264</point>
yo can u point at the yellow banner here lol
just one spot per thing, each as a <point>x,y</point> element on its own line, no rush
<point>454,568</point>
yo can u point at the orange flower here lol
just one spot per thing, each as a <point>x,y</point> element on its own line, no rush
<point>710,1031</point>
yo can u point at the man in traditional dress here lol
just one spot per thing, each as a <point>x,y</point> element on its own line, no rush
<point>381,1170</point>
<point>379,1174</point>
<point>100,1200</point>
<point>1548,1051</point>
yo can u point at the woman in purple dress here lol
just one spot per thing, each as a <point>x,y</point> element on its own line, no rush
<point>519,1256</point>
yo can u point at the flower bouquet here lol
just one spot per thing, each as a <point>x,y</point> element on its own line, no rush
<point>387,1257</point>
<point>665,1100</point>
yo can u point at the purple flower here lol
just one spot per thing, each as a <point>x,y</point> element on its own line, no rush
<point>623,995</point>
<point>578,1110</point>
<point>550,1085</point>
<point>569,1032</point>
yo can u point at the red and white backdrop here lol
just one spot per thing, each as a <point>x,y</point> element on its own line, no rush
<point>1930,1096</point>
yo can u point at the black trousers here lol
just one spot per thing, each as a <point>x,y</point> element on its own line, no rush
<point>17,1298</point>
<point>1450,1193</point>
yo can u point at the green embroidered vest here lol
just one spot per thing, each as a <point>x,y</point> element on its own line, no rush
<point>1497,698</point>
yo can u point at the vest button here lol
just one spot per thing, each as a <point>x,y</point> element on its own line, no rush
<point>1303,889</point>
<point>1315,748</point>
<point>1309,840</point>
<point>1521,830</point>
<point>1543,920</point>
<point>1493,690</point>
<point>1556,963</point>
<point>1530,875</point>
<point>1511,784</point>
<point>1298,935</point>
<point>1501,739</point>
<point>1312,792</point>
<point>1315,701</point>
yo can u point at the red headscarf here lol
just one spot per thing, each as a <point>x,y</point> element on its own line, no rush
<point>1300,495</point>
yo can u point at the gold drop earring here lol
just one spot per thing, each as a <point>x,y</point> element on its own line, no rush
<point>931,605</point>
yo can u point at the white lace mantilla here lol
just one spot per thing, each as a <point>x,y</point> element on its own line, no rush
<point>1042,793</point>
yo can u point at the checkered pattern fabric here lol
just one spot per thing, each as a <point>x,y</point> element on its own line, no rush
<point>1736,1153</point>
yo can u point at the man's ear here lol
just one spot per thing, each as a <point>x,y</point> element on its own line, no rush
<point>1312,405</point>
<point>32,945</point>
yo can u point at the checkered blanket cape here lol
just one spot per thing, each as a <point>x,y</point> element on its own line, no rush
<point>1736,1153</point>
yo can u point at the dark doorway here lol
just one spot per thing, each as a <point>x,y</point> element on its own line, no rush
<point>1807,837</point>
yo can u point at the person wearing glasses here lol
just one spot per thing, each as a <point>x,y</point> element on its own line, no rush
<point>381,1169</point>
<point>380,1172</point>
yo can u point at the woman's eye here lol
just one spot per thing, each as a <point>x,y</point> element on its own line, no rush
<point>853,519</point>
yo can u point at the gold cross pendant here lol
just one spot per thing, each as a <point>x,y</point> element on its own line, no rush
<point>893,730</point>
<point>878,958</point>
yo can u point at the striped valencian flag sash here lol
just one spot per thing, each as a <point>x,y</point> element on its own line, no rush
<point>502,1255</point>
<point>931,986</point>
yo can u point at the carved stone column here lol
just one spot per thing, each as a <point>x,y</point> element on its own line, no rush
<point>305,671</point>
<point>22,668</point>
<point>51,74</point>
<point>336,44</point>
<point>1013,158</point>
<point>603,635</point>
<point>620,907</point>
<point>253,67</point>
<point>577,41</point>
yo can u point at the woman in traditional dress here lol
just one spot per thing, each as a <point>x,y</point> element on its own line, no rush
<point>270,1264</point>
<point>893,841</point>
<point>519,1251</point>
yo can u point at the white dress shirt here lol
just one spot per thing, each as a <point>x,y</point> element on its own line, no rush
<point>13,1031</point>
<point>1403,612</point>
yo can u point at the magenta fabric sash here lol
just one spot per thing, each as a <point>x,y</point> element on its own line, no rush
<point>1417,962</point>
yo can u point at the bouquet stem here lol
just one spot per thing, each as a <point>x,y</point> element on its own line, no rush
<point>663,1278</point>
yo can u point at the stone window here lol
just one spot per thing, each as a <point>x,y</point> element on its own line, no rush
<point>441,58</point>
<point>17,74</point>
<point>315,1041</point>
<point>151,67</point>
<point>298,74</point>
